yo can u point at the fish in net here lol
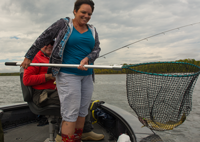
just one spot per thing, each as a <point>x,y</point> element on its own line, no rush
<point>160,93</point>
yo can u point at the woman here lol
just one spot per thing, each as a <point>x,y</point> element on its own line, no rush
<point>76,43</point>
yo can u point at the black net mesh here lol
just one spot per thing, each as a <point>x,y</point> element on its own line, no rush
<point>161,93</point>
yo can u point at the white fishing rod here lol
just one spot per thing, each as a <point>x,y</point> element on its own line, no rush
<point>146,38</point>
<point>67,65</point>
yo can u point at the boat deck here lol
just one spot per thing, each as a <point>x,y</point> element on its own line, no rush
<point>33,133</point>
<point>20,125</point>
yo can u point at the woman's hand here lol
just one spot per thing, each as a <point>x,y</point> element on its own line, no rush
<point>25,63</point>
<point>83,62</point>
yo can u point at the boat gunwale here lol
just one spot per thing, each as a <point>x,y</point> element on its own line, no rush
<point>107,107</point>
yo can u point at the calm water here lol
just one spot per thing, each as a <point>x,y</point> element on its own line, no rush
<point>112,89</point>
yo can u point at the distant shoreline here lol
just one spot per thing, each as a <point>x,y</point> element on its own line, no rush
<point>10,74</point>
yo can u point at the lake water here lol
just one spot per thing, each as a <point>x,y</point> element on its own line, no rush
<point>112,90</point>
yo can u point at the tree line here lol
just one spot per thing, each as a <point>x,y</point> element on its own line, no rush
<point>156,68</point>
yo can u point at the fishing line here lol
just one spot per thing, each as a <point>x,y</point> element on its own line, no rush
<point>146,38</point>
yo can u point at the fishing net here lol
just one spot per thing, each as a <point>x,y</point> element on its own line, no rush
<point>161,93</point>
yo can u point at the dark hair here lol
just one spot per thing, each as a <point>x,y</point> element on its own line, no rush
<point>78,4</point>
<point>51,43</point>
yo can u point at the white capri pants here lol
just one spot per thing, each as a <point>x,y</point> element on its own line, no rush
<point>75,93</point>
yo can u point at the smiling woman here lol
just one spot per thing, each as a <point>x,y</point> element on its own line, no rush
<point>76,42</point>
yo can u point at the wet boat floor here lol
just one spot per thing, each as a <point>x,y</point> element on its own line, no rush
<point>33,133</point>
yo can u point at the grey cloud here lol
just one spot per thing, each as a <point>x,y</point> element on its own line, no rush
<point>118,23</point>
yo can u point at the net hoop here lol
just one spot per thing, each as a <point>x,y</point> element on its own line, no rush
<point>160,93</point>
<point>162,74</point>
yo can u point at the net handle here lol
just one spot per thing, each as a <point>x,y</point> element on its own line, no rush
<point>117,67</point>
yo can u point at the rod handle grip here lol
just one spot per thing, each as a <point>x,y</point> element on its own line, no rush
<point>11,63</point>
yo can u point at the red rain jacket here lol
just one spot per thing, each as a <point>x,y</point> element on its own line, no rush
<point>35,76</point>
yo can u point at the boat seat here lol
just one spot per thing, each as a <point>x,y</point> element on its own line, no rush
<point>1,114</point>
<point>52,112</point>
<point>1,129</point>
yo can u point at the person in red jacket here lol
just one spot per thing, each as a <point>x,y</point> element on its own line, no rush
<point>44,89</point>
<point>45,92</point>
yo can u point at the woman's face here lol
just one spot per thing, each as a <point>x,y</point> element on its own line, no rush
<point>83,15</point>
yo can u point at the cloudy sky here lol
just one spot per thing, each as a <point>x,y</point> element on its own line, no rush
<point>118,23</point>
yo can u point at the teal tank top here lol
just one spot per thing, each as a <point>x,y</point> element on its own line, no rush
<point>77,48</point>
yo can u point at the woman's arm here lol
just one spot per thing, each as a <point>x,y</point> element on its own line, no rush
<point>44,39</point>
<point>95,52</point>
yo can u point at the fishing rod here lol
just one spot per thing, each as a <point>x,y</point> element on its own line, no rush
<point>146,38</point>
